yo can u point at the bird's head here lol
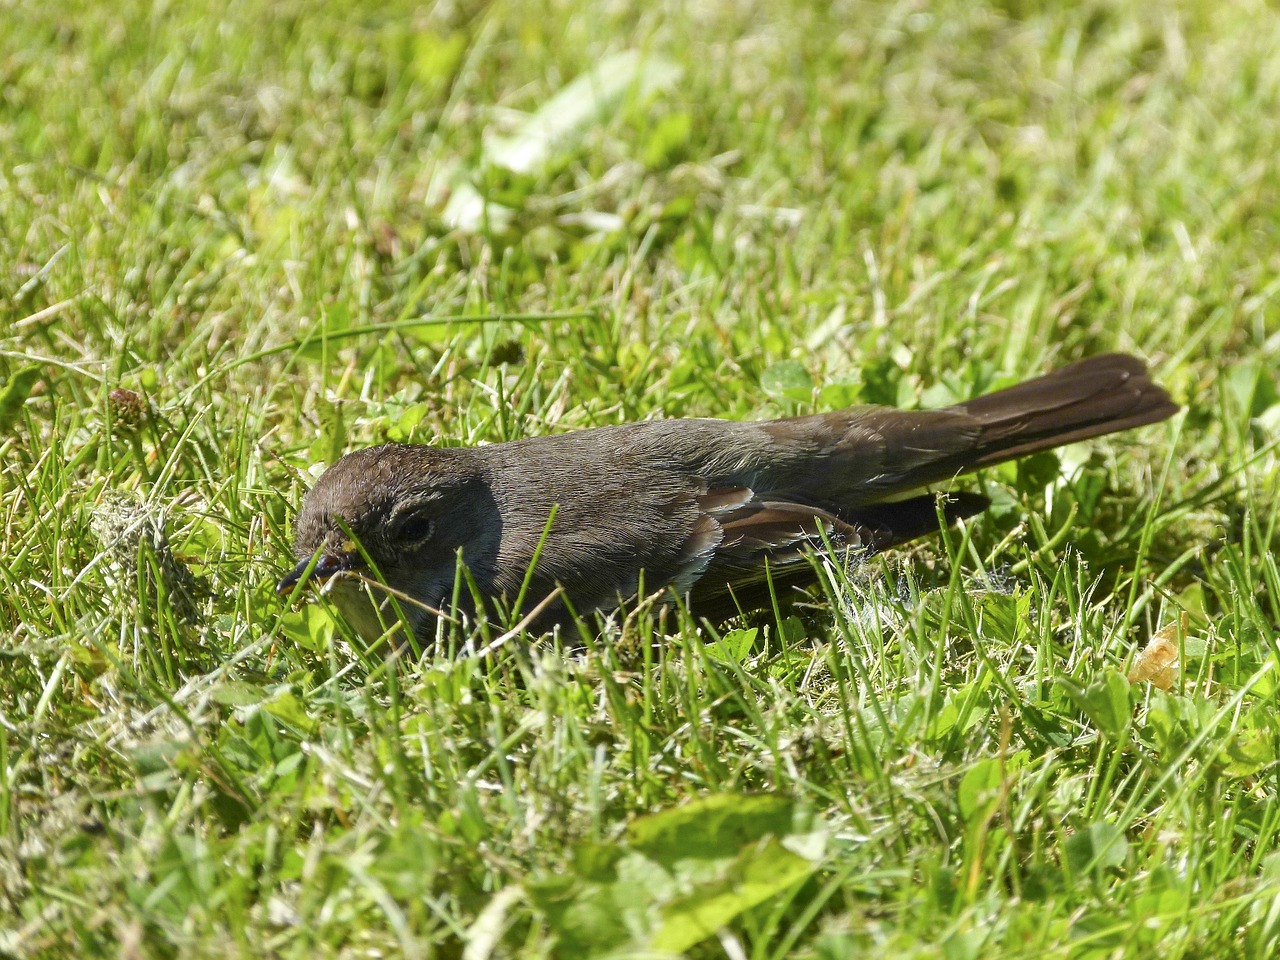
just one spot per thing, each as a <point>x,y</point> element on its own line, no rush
<point>392,517</point>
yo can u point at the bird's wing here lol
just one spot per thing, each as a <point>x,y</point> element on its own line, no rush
<point>748,545</point>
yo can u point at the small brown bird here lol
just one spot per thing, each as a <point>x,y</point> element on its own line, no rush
<point>703,507</point>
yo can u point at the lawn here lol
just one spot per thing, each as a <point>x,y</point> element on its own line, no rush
<point>238,240</point>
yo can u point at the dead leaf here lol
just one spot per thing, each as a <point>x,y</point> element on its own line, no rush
<point>1157,662</point>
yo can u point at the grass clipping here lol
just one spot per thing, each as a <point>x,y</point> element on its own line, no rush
<point>140,563</point>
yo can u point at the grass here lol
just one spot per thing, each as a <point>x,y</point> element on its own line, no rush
<point>229,236</point>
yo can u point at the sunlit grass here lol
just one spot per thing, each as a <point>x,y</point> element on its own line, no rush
<point>241,218</point>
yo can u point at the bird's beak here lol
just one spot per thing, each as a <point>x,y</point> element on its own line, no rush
<point>327,566</point>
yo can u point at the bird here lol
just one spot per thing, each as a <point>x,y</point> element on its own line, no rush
<point>722,515</point>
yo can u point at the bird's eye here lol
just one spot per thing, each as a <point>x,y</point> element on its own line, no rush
<point>417,528</point>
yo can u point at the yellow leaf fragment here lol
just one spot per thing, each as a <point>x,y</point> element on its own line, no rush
<point>1157,662</point>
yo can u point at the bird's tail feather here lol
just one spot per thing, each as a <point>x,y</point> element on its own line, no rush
<point>1100,395</point>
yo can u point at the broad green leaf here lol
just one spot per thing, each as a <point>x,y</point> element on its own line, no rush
<point>591,907</point>
<point>1097,846</point>
<point>841,393</point>
<point>1252,385</point>
<point>236,693</point>
<point>156,756</point>
<point>788,380</point>
<point>1249,752</point>
<point>734,646</point>
<point>667,139</point>
<point>718,825</point>
<point>309,627</point>
<point>1005,616</point>
<point>750,879</point>
<point>1036,472</point>
<point>15,394</point>
<point>406,856</point>
<point>980,786</point>
<point>680,875</point>
<point>881,379</point>
<point>408,422</point>
<point>1105,701</point>
<point>1173,720</point>
<point>287,708</point>
<point>965,945</point>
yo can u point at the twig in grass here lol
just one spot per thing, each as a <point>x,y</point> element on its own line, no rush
<point>498,642</point>
<point>392,591</point>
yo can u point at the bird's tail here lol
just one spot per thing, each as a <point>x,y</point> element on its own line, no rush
<point>1101,395</point>
<point>1091,398</point>
<point>875,454</point>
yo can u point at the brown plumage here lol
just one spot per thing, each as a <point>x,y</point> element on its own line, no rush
<point>699,506</point>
